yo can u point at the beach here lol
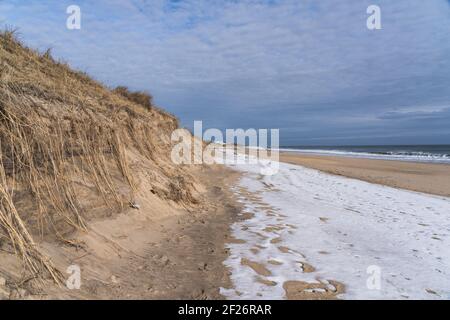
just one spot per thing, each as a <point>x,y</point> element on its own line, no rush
<point>422,177</point>
<point>309,234</point>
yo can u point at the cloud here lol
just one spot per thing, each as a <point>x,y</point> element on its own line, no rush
<point>426,114</point>
<point>310,68</point>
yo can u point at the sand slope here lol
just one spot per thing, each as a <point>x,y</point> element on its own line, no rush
<point>85,177</point>
<point>161,251</point>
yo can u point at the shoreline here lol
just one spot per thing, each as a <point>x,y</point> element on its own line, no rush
<point>431,178</point>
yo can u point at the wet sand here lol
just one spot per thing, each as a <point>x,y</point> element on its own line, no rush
<point>421,177</point>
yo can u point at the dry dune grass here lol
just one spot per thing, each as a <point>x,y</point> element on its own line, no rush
<point>59,129</point>
<point>140,97</point>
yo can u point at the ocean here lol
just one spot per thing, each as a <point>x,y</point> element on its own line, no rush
<point>415,153</point>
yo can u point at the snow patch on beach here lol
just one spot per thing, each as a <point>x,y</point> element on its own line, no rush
<point>341,227</point>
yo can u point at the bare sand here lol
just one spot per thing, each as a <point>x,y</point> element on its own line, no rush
<point>160,251</point>
<point>421,177</point>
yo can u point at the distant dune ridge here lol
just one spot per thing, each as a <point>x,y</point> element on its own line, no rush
<point>70,146</point>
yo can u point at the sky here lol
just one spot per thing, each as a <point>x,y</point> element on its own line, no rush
<point>310,68</point>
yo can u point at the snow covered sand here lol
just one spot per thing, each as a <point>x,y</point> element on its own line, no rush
<point>307,226</point>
